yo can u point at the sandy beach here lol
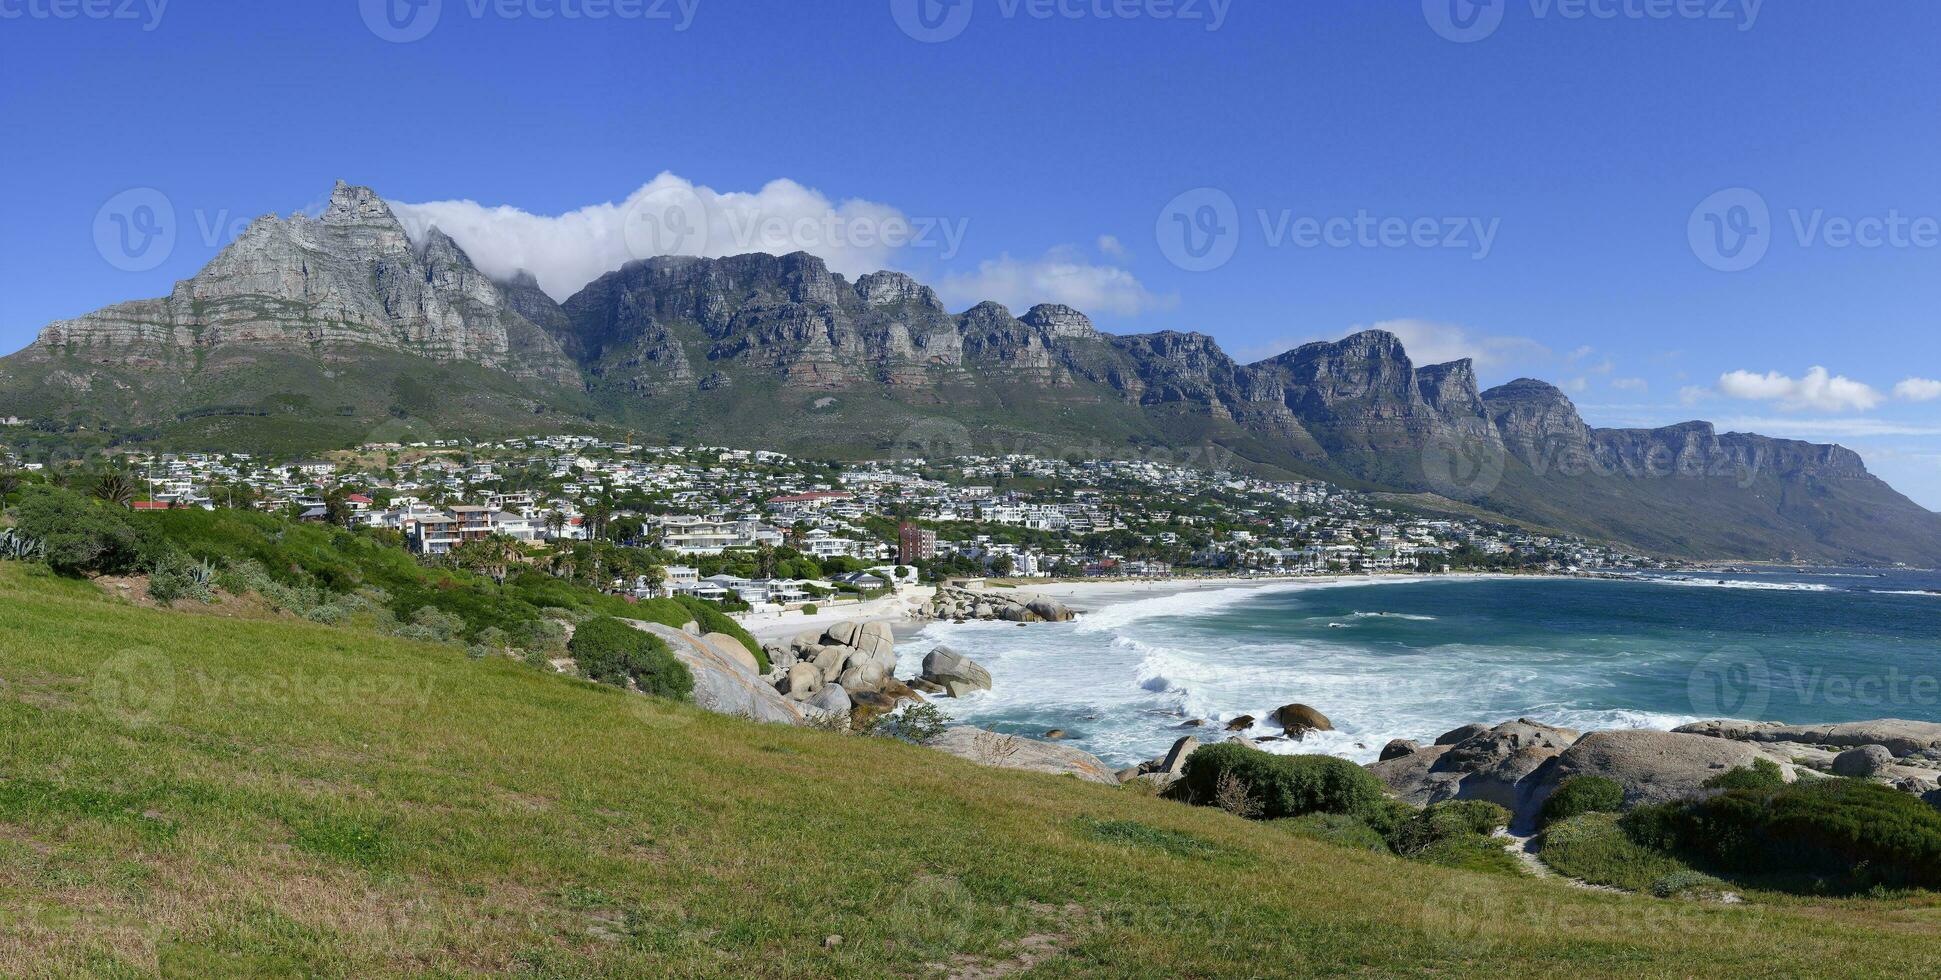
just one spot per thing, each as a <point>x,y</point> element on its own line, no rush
<point>900,610</point>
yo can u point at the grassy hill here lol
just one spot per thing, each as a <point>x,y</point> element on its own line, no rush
<point>192,795</point>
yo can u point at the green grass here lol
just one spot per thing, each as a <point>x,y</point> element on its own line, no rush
<point>1593,848</point>
<point>188,795</point>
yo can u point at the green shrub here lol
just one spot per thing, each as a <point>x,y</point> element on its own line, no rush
<point>1762,774</point>
<point>918,723</point>
<point>82,536</point>
<point>1447,821</point>
<point>544,636</point>
<point>810,609</point>
<point>1592,847</point>
<point>1339,829</point>
<point>175,577</point>
<point>1851,832</point>
<point>1470,852</point>
<point>436,623</point>
<point>1279,785</point>
<point>1579,795</point>
<point>611,652</point>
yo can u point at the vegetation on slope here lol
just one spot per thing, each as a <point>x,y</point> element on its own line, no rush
<point>191,795</point>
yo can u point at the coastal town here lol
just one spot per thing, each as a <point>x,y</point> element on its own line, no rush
<point>771,531</point>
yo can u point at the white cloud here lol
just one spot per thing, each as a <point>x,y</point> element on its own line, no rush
<point>1839,428</point>
<point>1918,390</point>
<point>1576,386</point>
<point>565,252</point>
<point>1429,342</point>
<point>1580,353</point>
<point>1630,384</point>
<point>1110,246</point>
<point>1693,394</point>
<point>1061,275</point>
<point>1817,390</point>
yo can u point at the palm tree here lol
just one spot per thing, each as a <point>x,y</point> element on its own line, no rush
<point>555,524</point>
<point>115,489</point>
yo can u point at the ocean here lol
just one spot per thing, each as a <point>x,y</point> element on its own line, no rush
<point>1404,657</point>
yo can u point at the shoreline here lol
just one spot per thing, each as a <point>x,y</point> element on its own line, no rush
<point>1084,596</point>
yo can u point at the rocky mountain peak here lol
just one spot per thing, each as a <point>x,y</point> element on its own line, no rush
<point>1061,321</point>
<point>1450,387</point>
<point>895,289</point>
<point>351,204</point>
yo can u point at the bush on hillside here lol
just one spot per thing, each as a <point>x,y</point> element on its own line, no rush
<point>83,536</point>
<point>1441,823</point>
<point>174,576</point>
<point>1280,785</point>
<point>1853,832</point>
<point>1579,795</point>
<point>611,652</point>
<point>1762,774</point>
<point>1338,829</point>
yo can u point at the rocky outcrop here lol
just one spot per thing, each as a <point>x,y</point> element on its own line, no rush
<point>956,603</point>
<point>1519,764</point>
<point>723,683</point>
<point>1015,752</point>
<point>847,670</point>
<point>1863,762</point>
<point>1651,766</point>
<point>1904,754</point>
<point>955,673</point>
<point>1397,748</point>
<point>1902,738</point>
<point>1490,765</point>
<point>1165,769</point>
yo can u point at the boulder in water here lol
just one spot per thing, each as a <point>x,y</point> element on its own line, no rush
<point>957,674</point>
<point>1299,719</point>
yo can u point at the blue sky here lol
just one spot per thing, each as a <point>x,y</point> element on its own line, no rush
<point>1533,182</point>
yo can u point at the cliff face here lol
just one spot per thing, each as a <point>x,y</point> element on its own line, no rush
<point>350,278</point>
<point>645,327</point>
<point>345,314</point>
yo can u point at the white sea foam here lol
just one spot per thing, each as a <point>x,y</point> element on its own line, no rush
<point>1122,680</point>
<point>1722,583</point>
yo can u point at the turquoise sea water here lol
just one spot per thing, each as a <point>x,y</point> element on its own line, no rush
<point>1412,658</point>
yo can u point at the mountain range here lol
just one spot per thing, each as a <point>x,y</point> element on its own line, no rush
<point>309,333</point>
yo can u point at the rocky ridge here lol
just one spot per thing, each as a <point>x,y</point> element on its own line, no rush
<point>678,344</point>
